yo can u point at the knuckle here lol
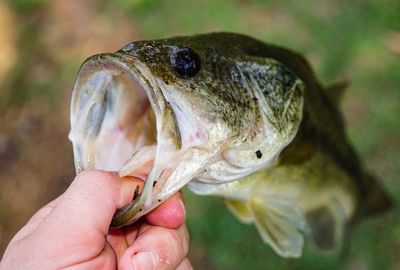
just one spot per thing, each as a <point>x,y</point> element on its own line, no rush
<point>183,235</point>
<point>93,175</point>
<point>176,246</point>
<point>95,179</point>
<point>185,232</point>
<point>185,265</point>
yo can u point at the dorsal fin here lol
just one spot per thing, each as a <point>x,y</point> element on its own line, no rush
<point>336,91</point>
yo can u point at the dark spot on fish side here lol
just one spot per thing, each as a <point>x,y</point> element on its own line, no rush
<point>159,200</point>
<point>259,154</point>
<point>154,183</point>
<point>140,210</point>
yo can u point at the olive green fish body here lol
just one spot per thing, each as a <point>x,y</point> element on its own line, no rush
<point>233,117</point>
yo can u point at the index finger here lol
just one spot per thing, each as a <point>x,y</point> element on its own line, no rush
<point>171,214</point>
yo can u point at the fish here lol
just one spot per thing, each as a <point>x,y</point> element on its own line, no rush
<point>230,116</point>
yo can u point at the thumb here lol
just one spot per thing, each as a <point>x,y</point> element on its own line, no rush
<point>73,228</point>
<point>91,201</point>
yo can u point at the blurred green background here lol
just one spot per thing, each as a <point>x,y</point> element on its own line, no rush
<point>42,44</point>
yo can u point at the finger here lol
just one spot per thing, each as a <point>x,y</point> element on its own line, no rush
<point>170,214</point>
<point>121,239</point>
<point>117,240</point>
<point>91,201</point>
<point>105,260</point>
<point>185,265</point>
<point>131,232</point>
<point>82,217</point>
<point>157,248</point>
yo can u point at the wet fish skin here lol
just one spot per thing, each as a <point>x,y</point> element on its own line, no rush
<point>219,85</point>
<point>283,161</point>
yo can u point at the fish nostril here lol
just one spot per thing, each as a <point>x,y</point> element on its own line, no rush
<point>127,48</point>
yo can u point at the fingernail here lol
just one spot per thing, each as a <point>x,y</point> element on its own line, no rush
<point>144,260</point>
<point>129,188</point>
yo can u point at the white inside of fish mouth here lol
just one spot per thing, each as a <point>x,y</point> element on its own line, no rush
<point>126,141</point>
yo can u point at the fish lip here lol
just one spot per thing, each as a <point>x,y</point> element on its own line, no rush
<point>118,62</point>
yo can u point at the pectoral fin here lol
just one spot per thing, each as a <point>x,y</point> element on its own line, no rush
<point>280,223</point>
<point>241,210</point>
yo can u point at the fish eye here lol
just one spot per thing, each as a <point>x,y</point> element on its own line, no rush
<point>185,62</point>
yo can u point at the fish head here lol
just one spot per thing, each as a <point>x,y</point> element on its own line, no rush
<point>173,110</point>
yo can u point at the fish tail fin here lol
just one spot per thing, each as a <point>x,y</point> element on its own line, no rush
<point>375,199</point>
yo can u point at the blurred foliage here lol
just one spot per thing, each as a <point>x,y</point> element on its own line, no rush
<point>357,41</point>
<point>27,5</point>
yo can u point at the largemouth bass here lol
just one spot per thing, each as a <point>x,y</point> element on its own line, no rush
<point>229,116</point>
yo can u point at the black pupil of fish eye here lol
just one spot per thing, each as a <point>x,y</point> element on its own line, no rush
<point>185,62</point>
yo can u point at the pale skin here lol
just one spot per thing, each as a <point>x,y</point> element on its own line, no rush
<point>72,232</point>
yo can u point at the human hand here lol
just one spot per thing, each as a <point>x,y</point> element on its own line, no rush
<point>72,232</point>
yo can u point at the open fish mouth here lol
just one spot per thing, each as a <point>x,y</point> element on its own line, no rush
<point>121,121</point>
